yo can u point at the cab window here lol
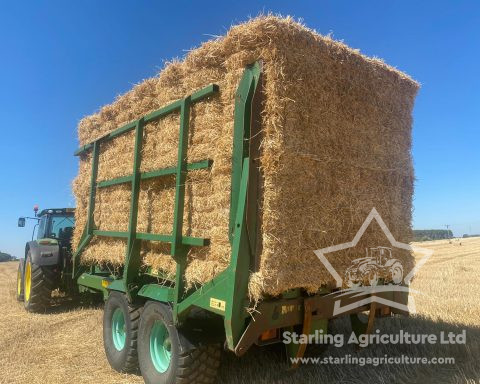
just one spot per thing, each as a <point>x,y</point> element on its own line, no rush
<point>41,227</point>
<point>61,227</point>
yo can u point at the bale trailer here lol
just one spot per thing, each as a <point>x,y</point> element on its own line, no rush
<point>151,321</point>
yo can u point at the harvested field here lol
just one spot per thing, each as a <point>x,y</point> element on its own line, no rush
<point>65,346</point>
<point>336,140</point>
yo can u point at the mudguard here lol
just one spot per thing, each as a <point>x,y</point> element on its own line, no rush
<point>44,254</point>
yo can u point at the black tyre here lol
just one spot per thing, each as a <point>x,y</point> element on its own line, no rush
<point>38,283</point>
<point>120,332</point>
<point>19,293</point>
<point>167,357</point>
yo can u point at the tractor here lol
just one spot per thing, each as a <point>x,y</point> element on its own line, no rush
<point>47,264</point>
<point>377,262</point>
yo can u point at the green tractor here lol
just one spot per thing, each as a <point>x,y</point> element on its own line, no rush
<point>48,259</point>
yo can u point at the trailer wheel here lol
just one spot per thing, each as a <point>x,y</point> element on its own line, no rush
<point>38,283</point>
<point>120,331</point>
<point>19,294</point>
<point>167,357</point>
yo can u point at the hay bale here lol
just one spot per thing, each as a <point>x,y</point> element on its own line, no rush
<point>336,129</point>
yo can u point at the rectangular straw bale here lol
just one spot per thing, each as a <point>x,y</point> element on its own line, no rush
<point>336,142</point>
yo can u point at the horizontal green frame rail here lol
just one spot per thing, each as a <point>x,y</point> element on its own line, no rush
<point>157,173</point>
<point>156,292</point>
<point>95,282</point>
<point>116,181</point>
<point>197,96</point>
<point>187,240</point>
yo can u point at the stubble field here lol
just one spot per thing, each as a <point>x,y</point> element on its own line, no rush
<point>65,345</point>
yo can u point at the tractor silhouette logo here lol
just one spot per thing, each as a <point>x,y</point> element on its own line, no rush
<point>362,277</point>
<point>377,262</point>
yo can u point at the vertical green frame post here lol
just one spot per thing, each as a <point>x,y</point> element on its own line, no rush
<point>242,252</point>
<point>241,133</point>
<point>132,258</point>
<point>93,188</point>
<point>239,268</point>
<point>179,250</point>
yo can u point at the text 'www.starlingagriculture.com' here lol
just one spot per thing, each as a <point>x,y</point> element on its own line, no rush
<point>374,361</point>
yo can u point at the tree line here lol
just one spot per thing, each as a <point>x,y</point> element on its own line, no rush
<point>6,257</point>
<point>432,234</point>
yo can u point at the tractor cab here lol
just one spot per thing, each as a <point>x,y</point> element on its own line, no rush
<point>56,224</point>
<point>380,254</point>
<point>53,224</point>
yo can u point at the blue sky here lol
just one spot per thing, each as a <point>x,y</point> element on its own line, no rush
<point>62,60</point>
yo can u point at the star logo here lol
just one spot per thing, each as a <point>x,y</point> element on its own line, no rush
<point>369,291</point>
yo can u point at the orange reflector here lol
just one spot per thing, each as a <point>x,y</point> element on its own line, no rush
<point>268,335</point>
<point>105,283</point>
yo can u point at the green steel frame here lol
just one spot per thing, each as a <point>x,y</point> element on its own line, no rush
<point>226,294</point>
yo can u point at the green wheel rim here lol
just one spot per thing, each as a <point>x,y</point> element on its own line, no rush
<point>119,334</point>
<point>160,347</point>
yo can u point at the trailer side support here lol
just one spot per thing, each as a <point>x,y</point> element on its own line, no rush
<point>227,293</point>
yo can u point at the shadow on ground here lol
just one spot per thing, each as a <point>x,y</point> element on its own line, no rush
<point>62,304</point>
<point>268,364</point>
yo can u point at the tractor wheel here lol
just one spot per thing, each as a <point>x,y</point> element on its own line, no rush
<point>372,277</point>
<point>167,357</point>
<point>396,273</point>
<point>38,283</point>
<point>19,294</point>
<point>120,330</point>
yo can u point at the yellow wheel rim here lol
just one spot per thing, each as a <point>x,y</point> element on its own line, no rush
<point>28,280</point>
<point>19,283</point>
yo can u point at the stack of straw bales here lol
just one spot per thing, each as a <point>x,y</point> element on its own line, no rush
<point>336,141</point>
